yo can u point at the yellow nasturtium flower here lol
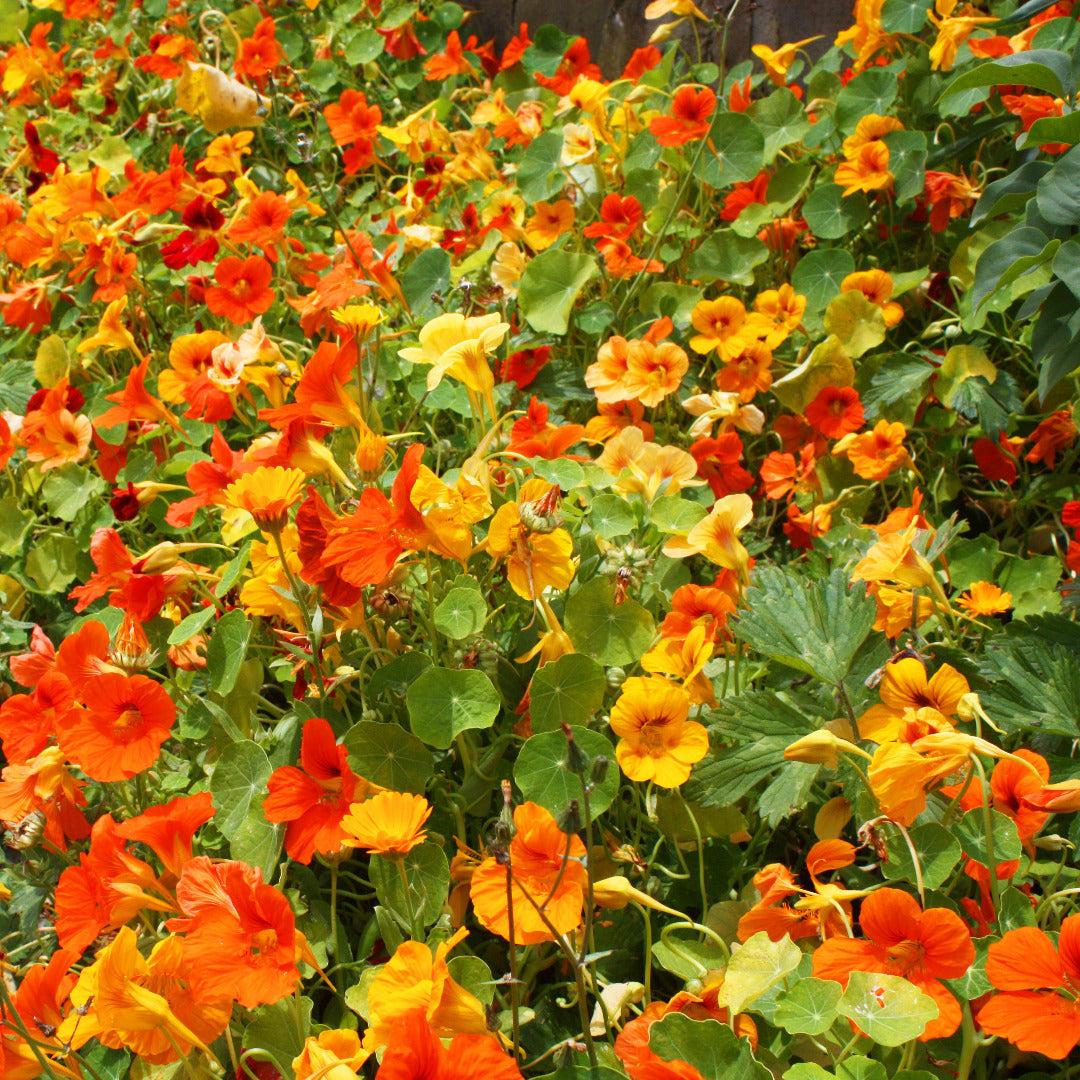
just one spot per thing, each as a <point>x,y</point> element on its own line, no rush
<point>537,557</point>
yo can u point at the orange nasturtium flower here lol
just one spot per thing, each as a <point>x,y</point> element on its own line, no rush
<point>985,598</point>
<point>413,980</point>
<point>657,741</point>
<point>905,686</point>
<point>721,325</point>
<point>538,556</point>
<point>314,798</point>
<point>876,454</point>
<point>1039,1008</point>
<point>877,286</point>
<point>866,170</point>
<point>121,730</point>
<point>548,868</point>
<point>777,61</point>
<point>923,947</point>
<point>241,940</point>
<point>242,290</point>
<point>390,823</point>
<point>267,494</point>
<point>332,1055</point>
<point>416,1051</point>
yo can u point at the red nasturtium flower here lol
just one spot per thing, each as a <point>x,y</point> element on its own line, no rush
<point>688,121</point>
<point>902,939</point>
<point>1039,1009</point>
<point>417,1053</point>
<point>314,798</point>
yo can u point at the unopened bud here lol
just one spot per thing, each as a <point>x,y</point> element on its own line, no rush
<point>599,770</point>
<point>158,559</point>
<point>969,707</point>
<point>615,678</point>
<point>1053,842</point>
<point>577,761</point>
<point>542,515</point>
<point>570,819</point>
<point>820,748</point>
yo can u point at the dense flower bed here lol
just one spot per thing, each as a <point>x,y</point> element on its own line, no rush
<point>511,573</point>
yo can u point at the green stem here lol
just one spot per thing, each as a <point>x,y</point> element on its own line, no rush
<point>988,832</point>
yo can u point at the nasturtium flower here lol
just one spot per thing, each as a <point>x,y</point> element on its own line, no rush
<point>720,324</point>
<point>688,121</point>
<point>390,823</point>
<point>905,685</point>
<point>866,170</point>
<point>314,798</point>
<point>716,536</point>
<point>835,412</point>
<point>242,290</point>
<point>331,1055</point>
<point>902,939</point>
<point>985,598</point>
<point>537,557</point>
<point>417,1053</point>
<point>777,61</point>
<point>413,980</point>
<point>1038,1008</point>
<point>120,732</point>
<point>876,454</point>
<point>548,868</point>
<point>877,286</point>
<point>657,740</point>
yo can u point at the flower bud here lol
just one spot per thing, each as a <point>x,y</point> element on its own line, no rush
<point>570,819</point>
<point>599,770</point>
<point>818,748</point>
<point>542,515</point>
<point>969,707</point>
<point>577,761</point>
<point>158,559</point>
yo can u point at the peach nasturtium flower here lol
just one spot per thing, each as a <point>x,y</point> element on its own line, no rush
<point>390,823</point>
<point>716,536</point>
<point>657,741</point>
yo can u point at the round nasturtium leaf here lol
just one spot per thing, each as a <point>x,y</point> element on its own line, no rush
<point>443,702</point>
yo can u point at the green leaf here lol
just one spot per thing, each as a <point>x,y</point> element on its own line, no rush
<point>818,275</point>
<point>227,649</point>
<point>14,16</point>
<point>725,775</point>
<point>542,773</point>
<point>1056,195</point>
<point>687,957</point>
<point>857,323</point>
<point>280,1029</point>
<point>872,91</point>
<point>809,1007</point>
<point>609,516</point>
<point>614,634</point>
<point>739,146</point>
<point>1009,193</point>
<point>188,627</point>
<point>970,831</point>
<point>676,818</point>
<point>907,163</point>
<point>397,676</point>
<point>938,851</point>
<point>903,16</point>
<point>706,1045</point>
<point>788,184</point>
<point>726,256</point>
<point>550,285</point>
<point>1015,910</point>
<point>443,702</point>
<point>569,690</point>
<point>364,46</point>
<point>230,573</point>
<point>831,215</point>
<point>461,614</point>
<point>1044,69</point>
<point>671,513</point>
<point>389,756</point>
<point>68,489</point>
<point>257,842</point>
<point>781,118</point>
<point>1019,252</point>
<point>1035,686</point>
<point>828,365</point>
<point>472,973</point>
<point>238,784</point>
<point>428,874</point>
<point>16,384</point>
<point>540,173</point>
<point>817,629</point>
<point>788,793</point>
<point>758,966</point>
<point>14,524</point>
<point>888,1008</point>
<point>427,275</point>
<point>50,564</point>
<point>890,379</point>
<point>1051,129</point>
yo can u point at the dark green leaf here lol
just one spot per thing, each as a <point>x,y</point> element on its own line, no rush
<point>1058,193</point>
<point>1017,253</point>
<point>1035,686</point>
<point>903,16</point>
<point>830,214</point>
<point>540,174</point>
<point>428,875</point>
<point>706,1045</point>
<point>227,649</point>
<point>739,146</point>
<point>938,851</point>
<point>427,275</point>
<point>1044,69</point>
<point>550,285</point>
<point>726,256</point>
<point>872,91</point>
<point>1011,192</point>
<point>613,634</point>
<point>809,1007</point>
<point>781,118</point>
<point>970,831</point>
<point>907,162</point>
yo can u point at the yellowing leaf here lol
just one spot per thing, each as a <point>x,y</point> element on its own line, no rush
<point>218,101</point>
<point>858,323</point>
<point>51,362</point>
<point>757,967</point>
<point>962,362</point>
<point>828,365</point>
